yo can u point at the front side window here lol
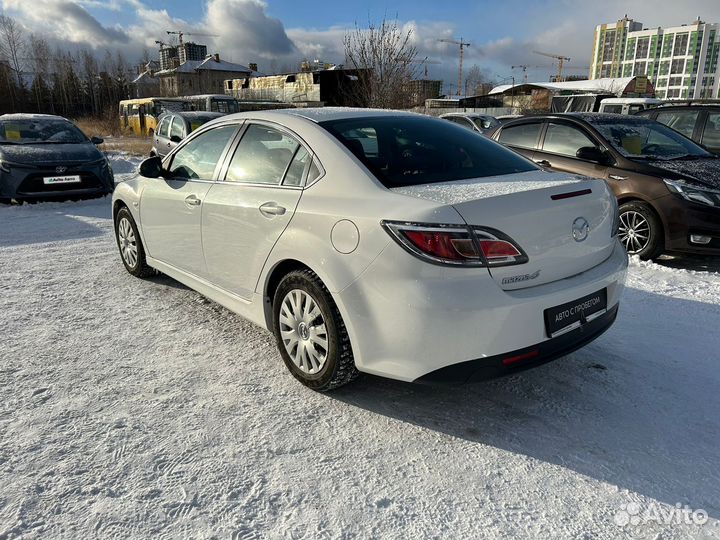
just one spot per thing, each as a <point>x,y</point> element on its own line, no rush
<point>199,157</point>
<point>262,157</point>
<point>637,137</point>
<point>522,135</point>
<point>411,150</point>
<point>565,140</point>
<point>682,121</point>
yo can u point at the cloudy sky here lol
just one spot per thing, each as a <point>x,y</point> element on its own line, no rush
<point>279,33</point>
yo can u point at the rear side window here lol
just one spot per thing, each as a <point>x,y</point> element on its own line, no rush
<point>262,157</point>
<point>298,166</point>
<point>462,122</point>
<point>682,121</point>
<point>565,140</point>
<point>711,135</point>
<point>522,135</point>
<point>412,150</point>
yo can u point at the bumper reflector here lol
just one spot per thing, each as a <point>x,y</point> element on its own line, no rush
<point>520,357</point>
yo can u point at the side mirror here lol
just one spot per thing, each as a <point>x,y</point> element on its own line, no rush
<point>152,167</point>
<point>175,139</point>
<point>97,140</point>
<point>592,153</point>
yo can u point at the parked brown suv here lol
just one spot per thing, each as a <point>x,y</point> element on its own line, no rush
<point>667,186</point>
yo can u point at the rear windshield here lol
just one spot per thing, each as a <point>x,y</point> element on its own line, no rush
<point>412,150</point>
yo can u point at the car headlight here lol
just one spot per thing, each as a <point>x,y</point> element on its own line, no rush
<point>709,197</point>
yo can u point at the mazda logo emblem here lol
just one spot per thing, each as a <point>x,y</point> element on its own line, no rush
<point>580,229</point>
<point>60,170</point>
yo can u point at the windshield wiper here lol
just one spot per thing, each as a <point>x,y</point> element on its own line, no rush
<point>691,157</point>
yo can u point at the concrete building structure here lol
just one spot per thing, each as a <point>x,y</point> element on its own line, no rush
<point>681,61</point>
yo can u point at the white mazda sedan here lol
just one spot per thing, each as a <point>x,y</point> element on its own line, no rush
<point>381,242</point>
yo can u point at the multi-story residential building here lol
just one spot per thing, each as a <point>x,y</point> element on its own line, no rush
<point>682,61</point>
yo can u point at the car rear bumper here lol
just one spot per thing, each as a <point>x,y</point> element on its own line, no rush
<point>521,359</point>
<point>683,219</point>
<point>408,319</point>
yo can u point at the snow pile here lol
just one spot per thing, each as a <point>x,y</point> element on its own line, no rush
<point>124,165</point>
<point>139,409</point>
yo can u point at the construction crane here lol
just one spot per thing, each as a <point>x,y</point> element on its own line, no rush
<point>524,68</point>
<point>180,34</point>
<point>462,44</point>
<point>560,60</point>
<point>424,62</point>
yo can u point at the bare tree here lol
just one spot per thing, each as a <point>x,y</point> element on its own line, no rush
<point>13,45</point>
<point>477,81</point>
<point>385,58</point>
<point>40,65</point>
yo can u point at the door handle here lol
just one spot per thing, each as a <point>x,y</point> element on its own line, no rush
<point>270,209</point>
<point>192,200</point>
<point>617,177</point>
<point>544,163</point>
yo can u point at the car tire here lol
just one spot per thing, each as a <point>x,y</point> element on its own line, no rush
<point>132,252</point>
<point>641,231</point>
<point>311,334</point>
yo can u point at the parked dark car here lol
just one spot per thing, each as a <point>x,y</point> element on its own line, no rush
<point>173,127</point>
<point>667,186</point>
<point>701,123</point>
<point>482,123</point>
<point>48,157</point>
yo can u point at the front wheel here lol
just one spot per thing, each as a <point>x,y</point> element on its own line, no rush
<point>130,245</point>
<point>640,230</point>
<point>311,334</point>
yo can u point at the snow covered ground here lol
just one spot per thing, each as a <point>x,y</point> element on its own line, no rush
<point>138,409</point>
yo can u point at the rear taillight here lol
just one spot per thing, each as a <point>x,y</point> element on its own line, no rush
<point>456,244</point>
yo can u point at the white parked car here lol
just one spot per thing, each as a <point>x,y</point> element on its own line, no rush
<point>381,242</point>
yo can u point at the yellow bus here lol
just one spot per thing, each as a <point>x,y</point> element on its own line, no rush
<point>139,116</point>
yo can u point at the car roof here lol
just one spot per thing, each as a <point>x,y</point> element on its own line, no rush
<point>467,115</point>
<point>194,114</point>
<point>320,114</point>
<point>588,117</point>
<point>31,116</point>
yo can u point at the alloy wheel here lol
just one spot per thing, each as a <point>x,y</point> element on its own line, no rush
<point>303,331</point>
<point>634,231</point>
<point>128,243</point>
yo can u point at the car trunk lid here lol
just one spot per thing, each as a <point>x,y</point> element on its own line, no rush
<point>543,213</point>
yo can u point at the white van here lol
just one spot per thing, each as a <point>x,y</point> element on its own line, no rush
<point>627,105</point>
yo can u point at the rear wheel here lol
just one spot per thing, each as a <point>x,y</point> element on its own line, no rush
<point>130,245</point>
<point>640,230</point>
<point>311,334</point>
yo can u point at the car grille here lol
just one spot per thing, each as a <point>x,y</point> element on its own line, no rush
<point>33,183</point>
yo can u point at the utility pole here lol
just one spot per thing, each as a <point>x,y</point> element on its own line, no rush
<point>462,44</point>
